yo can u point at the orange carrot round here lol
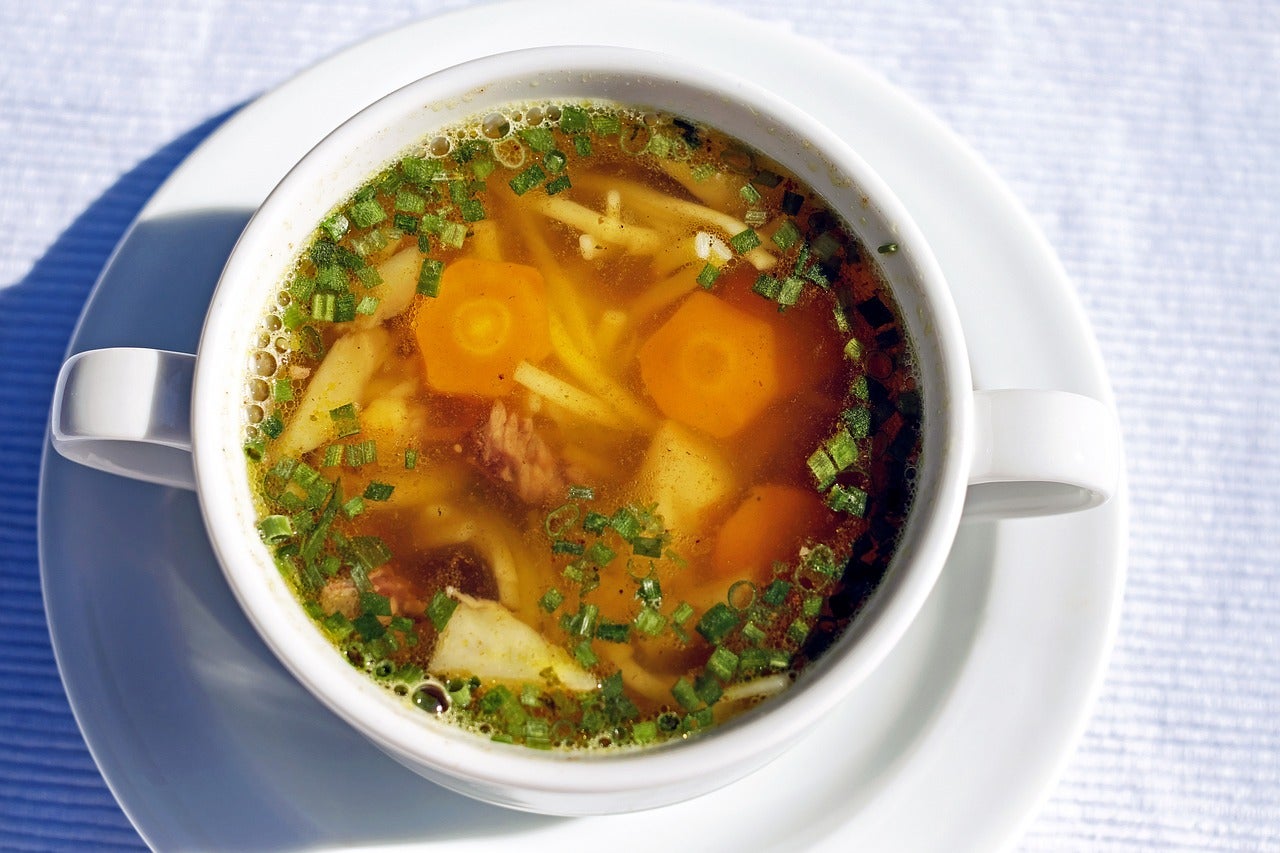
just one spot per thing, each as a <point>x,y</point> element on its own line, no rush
<point>487,318</point>
<point>769,525</point>
<point>711,366</point>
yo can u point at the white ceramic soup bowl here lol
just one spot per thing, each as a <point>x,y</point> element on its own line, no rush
<point>984,454</point>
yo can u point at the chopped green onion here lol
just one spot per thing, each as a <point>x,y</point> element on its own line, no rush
<point>362,453</point>
<point>707,276</point>
<point>551,599</point>
<point>353,507</point>
<point>843,449</point>
<point>595,522</point>
<point>613,632</point>
<point>345,420</point>
<point>367,213</point>
<point>824,470</point>
<point>410,202</point>
<point>647,546</point>
<point>483,168</point>
<point>684,693</point>
<point>649,621</point>
<point>749,194</point>
<point>767,286</point>
<point>344,308</point>
<point>471,210</point>
<point>420,171</point>
<point>527,180</point>
<point>703,171</point>
<point>558,184</point>
<point>582,493</point>
<point>440,609</point>
<point>812,606</point>
<point>539,138</point>
<point>367,305</point>
<point>377,491</point>
<point>369,626</point>
<point>406,222</point>
<point>573,119</point>
<point>555,161</point>
<point>625,522</point>
<point>791,203</point>
<point>789,292</point>
<point>717,623</point>
<point>606,124</point>
<point>848,499</point>
<point>708,688</point>
<point>859,388</point>
<point>776,593</point>
<point>453,234</point>
<point>753,633</point>
<point>375,603</point>
<point>582,145</point>
<point>644,732</point>
<point>335,225</point>
<point>755,218</point>
<point>564,546</point>
<point>682,613</point>
<point>600,554</point>
<point>650,591</point>
<point>275,528</point>
<point>324,306</point>
<point>560,519</point>
<point>272,426</point>
<point>723,664</point>
<point>798,630</point>
<point>826,245</point>
<point>744,241</point>
<point>786,235</point>
<point>584,655</point>
<point>429,277</point>
<point>853,349</point>
<point>293,317</point>
<point>736,592</point>
<point>333,455</point>
<point>822,559</point>
<point>767,178</point>
<point>369,276</point>
<point>410,459</point>
<point>282,390</point>
<point>842,320</point>
<point>368,552</point>
<point>888,249</point>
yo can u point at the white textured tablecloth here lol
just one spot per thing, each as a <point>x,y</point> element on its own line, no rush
<point>1143,137</point>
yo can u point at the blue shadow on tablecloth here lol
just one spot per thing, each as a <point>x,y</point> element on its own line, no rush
<point>51,794</point>
<point>155,294</point>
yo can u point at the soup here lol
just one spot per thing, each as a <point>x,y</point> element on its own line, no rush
<point>583,427</point>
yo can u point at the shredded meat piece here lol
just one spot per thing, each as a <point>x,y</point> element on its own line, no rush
<point>512,453</point>
<point>340,596</point>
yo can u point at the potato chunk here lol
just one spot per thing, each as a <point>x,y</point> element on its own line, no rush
<point>485,639</point>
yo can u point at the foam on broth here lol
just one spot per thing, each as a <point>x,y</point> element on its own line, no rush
<point>583,426</point>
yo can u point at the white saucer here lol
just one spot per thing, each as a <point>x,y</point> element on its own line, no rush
<point>208,744</point>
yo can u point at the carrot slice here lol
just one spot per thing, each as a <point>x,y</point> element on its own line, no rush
<point>711,366</point>
<point>770,524</point>
<point>488,318</point>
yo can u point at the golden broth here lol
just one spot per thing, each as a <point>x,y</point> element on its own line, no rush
<point>583,426</point>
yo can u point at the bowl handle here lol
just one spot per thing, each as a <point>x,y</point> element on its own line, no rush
<point>127,410</point>
<point>1041,453</point>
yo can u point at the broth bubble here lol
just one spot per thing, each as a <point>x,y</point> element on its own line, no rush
<point>432,697</point>
<point>263,363</point>
<point>495,126</point>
